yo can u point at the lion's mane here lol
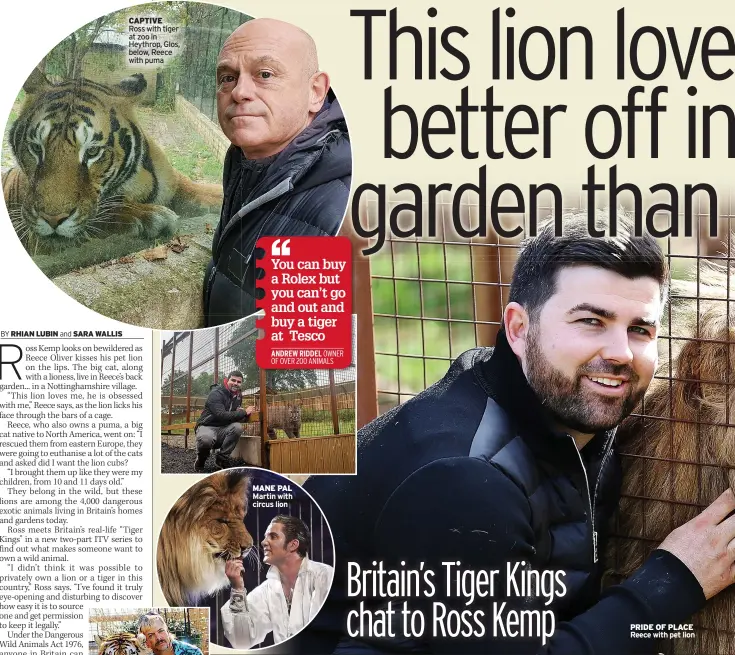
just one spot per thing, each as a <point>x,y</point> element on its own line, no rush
<point>679,453</point>
<point>202,531</point>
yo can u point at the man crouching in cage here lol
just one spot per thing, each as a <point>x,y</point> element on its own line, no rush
<point>505,472</point>
<point>219,425</point>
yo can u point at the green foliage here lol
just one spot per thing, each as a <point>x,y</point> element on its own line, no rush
<point>200,384</point>
<point>130,626</point>
<point>207,28</point>
<point>14,111</point>
<point>309,414</point>
<point>434,300</point>
<point>66,59</point>
<point>243,354</point>
<point>180,383</point>
<point>168,80</point>
<point>211,167</point>
<point>191,157</point>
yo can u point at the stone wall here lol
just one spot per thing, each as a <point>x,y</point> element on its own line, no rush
<point>210,132</point>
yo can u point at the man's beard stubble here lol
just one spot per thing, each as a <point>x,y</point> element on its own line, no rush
<point>571,404</point>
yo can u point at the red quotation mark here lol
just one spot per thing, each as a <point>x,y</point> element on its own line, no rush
<point>278,250</point>
<point>306,287</point>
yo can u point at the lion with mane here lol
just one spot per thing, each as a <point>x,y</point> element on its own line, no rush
<point>679,452</point>
<point>203,530</point>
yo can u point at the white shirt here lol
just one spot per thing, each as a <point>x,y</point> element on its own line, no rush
<point>264,608</point>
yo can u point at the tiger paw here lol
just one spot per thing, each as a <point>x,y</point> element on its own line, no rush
<point>156,221</point>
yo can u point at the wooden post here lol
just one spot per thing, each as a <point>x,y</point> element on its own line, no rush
<point>263,420</point>
<point>188,390</point>
<point>362,305</point>
<point>485,257</point>
<point>333,402</point>
<point>171,391</point>
<point>216,355</point>
<point>163,357</point>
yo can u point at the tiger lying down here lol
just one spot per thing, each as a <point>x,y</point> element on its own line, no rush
<point>87,169</point>
<point>699,441</point>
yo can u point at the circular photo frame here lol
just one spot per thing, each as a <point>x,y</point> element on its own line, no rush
<point>148,151</point>
<point>255,548</point>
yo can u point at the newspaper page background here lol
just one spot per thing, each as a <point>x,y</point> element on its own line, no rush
<point>31,302</point>
<point>84,470</point>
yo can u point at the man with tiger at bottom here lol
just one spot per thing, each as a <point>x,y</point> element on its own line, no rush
<point>159,639</point>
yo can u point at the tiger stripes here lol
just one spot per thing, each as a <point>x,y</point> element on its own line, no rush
<point>86,168</point>
<point>124,643</point>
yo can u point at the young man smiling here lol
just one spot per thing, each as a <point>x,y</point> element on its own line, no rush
<point>510,459</point>
<point>219,425</point>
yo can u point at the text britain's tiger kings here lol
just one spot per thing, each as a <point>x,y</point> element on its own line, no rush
<point>87,169</point>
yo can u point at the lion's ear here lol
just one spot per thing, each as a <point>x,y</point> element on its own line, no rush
<point>131,86</point>
<point>36,82</point>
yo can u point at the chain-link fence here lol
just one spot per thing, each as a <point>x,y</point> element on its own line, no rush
<point>205,29</point>
<point>186,624</point>
<point>290,404</point>
<point>435,297</point>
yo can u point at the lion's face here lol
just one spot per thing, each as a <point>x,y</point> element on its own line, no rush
<point>679,454</point>
<point>223,529</point>
<point>202,531</point>
<point>77,143</point>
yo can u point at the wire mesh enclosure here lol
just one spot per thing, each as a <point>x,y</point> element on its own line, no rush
<point>186,624</point>
<point>292,405</point>
<point>435,297</point>
<point>206,27</point>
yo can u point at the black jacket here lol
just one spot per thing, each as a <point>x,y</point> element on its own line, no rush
<point>303,193</point>
<point>471,471</point>
<point>221,408</point>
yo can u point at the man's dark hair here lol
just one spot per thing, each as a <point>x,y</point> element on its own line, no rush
<point>542,257</point>
<point>236,374</point>
<point>295,528</point>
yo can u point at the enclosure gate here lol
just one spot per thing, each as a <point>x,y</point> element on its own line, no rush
<point>321,414</point>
